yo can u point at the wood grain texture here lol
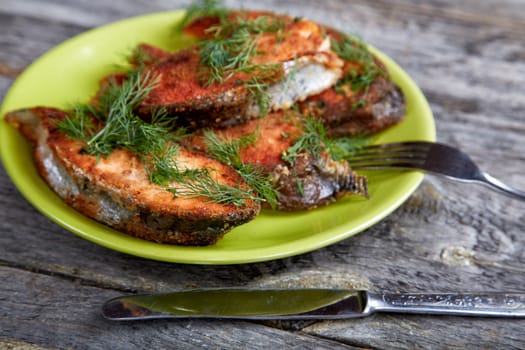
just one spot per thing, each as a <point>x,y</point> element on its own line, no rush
<point>469,60</point>
<point>62,313</point>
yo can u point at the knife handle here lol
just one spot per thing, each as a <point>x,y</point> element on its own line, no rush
<point>482,304</point>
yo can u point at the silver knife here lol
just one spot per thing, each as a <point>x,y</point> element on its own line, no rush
<point>300,304</point>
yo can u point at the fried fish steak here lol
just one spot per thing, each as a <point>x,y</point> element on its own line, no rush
<point>349,113</point>
<point>309,182</point>
<point>292,63</point>
<point>346,111</point>
<point>116,190</point>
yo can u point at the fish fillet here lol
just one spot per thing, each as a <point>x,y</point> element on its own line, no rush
<point>117,192</point>
<point>307,183</point>
<point>301,53</point>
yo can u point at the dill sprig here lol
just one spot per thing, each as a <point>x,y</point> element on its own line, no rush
<point>200,183</point>
<point>225,56</point>
<point>312,140</point>
<point>228,151</point>
<point>345,147</point>
<point>315,140</point>
<point>118,126</point>
<point>233,45</point>
<point>230,50</point>
<point>202,8</point>
<point>164,170</point>
<point>138,58</point>
<point>353,49</point>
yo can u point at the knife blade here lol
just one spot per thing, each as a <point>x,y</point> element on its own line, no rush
<point>308,303</point>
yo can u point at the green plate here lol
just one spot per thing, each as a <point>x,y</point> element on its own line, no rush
<point>70,73</point>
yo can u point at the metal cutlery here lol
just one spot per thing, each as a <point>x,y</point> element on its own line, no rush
<point>296,304</point>
<point>436,158</point>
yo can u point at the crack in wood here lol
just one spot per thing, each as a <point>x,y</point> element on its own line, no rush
<point>69,277</point>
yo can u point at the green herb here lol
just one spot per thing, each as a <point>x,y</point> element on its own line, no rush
<point>312,140</point>
<point>315,140</point>
<point>118,126</point>
<point>202,184</point>
<point>231,49</point>
<point>229,152</point>
<point>300,186</point>
<point>353,49</point>
<point>162,167</point>
<point>80,125</point>
<point>232,46</point>
<point>345,147</point>
<point>137,59</point>
<point>358,104</point>
<point>163,170</point>
<point>357,80</point>
<point>225,56</point>
<point>201,8</point>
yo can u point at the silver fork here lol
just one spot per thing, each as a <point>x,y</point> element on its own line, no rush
<point>435,158</point>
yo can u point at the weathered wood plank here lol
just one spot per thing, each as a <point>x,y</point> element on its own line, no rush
<point>55,312</point>
<point>424,332</point>
<point>5,83</point>
<point>486,11</point>
<point>24,39</point>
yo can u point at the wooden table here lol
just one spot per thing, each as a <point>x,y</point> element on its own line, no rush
<point>468,58</point>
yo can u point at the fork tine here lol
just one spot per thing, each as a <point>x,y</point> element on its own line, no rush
<point>398,155</point>
<point>415,146</point>
<point>393,163</point>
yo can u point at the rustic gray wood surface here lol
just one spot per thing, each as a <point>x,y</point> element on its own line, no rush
<point>468,57</point>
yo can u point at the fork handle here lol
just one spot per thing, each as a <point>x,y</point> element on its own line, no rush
<point>501,187</point>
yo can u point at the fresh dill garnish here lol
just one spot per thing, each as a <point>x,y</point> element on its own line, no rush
<point>163,170</point>
<point>162,165</point>
<point>312,140</point>
<point>300,186</point>
<point>201,183</point>
<point>345,147</point>
<point>230,50</point>
<point>138,58</point>
<point>353,49</point>
<point>228,152</point>
<point>224,56</point>
<point>315,140</point>
<point>232,46</point>
<point>201,8</point>
<point>119,126</point>
<point>80,125</point>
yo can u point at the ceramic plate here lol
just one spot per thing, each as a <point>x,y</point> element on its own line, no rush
<point>70,73</point>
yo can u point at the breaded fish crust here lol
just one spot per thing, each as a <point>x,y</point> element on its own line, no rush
<point>116,190</point>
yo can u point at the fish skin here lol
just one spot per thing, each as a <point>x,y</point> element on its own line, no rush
<point>117,192</point>
<point>312,181</point>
